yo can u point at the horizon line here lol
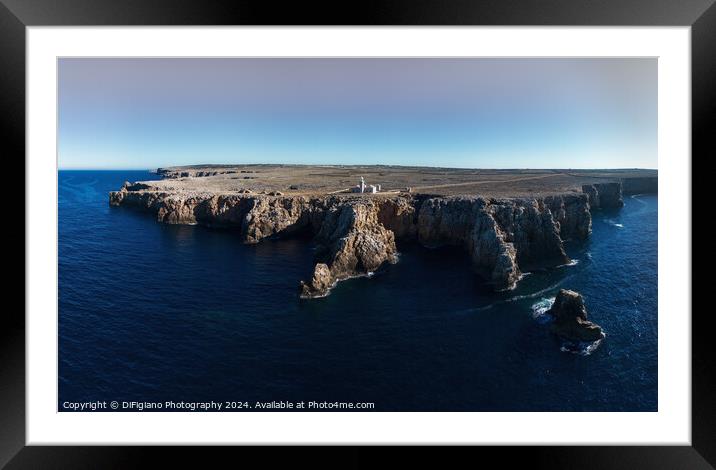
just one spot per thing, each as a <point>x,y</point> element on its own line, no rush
<point>59,168</point>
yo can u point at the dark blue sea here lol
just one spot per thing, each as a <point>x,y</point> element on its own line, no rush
<point>154,312</point>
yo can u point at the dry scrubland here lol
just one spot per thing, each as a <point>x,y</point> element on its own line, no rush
<point>322,180</point>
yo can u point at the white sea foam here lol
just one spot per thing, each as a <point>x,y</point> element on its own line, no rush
<point>539,292</point>
<point>573,262</point>
<point>533,295</point>
<point>581,348</point>
<point>540,309</point>
<point>636,198</point>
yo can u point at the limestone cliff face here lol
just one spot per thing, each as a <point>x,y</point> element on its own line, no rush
<point>469,222</point>
<point>257,217</point>
<point>500,235</point>
<point>184,173</point>
<point>535,233</point>
<point>604,195</point>
<point>571,211</point>
<point>640,185</point>
<point>268,216</point>
<point>492,254</point>
<point>179,208</point>
<point>357,235</point>
<point>351,242</point>
<point>400,215</point>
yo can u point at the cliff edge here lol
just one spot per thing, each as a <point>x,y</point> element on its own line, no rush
<point>356,235</point>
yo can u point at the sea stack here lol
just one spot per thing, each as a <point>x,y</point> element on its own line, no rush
<point>320,285</point>
<point>570,318</point>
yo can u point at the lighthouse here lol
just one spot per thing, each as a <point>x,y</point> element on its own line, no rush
<point>365,188</point>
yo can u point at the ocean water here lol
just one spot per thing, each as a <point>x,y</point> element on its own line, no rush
<point>154,312</point>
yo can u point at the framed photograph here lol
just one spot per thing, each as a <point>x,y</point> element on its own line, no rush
<point>415,225</point>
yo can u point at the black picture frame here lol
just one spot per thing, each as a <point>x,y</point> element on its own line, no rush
<point>16,15</point>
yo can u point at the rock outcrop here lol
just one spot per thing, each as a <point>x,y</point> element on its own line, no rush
<point>570,318</point>
<point>572,213</point>
<point>351,242</point>
<point>503,236</point>
<point>320,284</point>
<point>604,195</point>
<point>189,173</point>
<point>269,216</point>
<point>356,235</point>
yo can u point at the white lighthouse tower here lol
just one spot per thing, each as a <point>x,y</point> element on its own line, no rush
<point>364,188</point>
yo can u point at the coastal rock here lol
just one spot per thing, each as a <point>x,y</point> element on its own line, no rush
<point>148,200</point>
<point>351,242</point>
<point>223,211</point>
<point>117,197</point>
<point>320,284</point>
<point>571,211</point>
<point>570,318</point>
<point>531,228</point>
<point>269,216</point>
<point>604,195</point>
<point>356,235</point>
<point>500,235</point>
<point>640,185</point>
<point>448,220</point>
<point>400,216</point>
<point>184,173</point>
<point>491,254</point>
<point>591,191</point>
<point>180,210</point>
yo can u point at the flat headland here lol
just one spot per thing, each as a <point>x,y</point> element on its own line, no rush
<point>508,221</point>
<point>315,180</point>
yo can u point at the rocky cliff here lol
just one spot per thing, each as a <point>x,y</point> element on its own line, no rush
<point>190,173</point>
<point>351,242</point>
<point>640,185</point>
<point>355,235</point>
<point>604,195</point>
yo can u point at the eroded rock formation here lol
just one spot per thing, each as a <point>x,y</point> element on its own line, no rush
<point>356,235</point>
<point>351,242</point>
<point>604,195</point>
<point>572,213</point>
<point>500,234</point>
<point>570,318</point>
<point>189,173</point>
<point>320,284</point>
<point>640,185</point>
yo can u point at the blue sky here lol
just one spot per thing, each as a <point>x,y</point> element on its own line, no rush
<point>450,112</point>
